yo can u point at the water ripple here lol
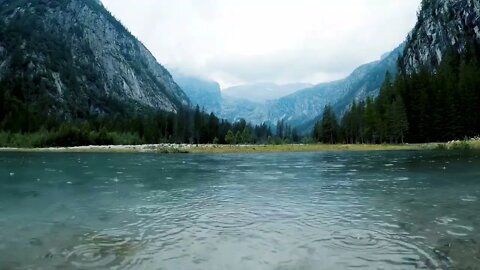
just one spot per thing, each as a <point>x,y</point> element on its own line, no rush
<point>101,250</point>
<point>363,240</point>
<point>224,221</point>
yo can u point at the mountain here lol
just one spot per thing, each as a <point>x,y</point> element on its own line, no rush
<point>262,92</point>
<point>304,107</point>
<point>441,72</point>
<point>442,25</point>
<point>367,80</point>
<point>435,96</point>
<point>235,109</point>
<point>208,96</point>
<point>72,59</point>
<point>445,29</point>
<point>202,92</point>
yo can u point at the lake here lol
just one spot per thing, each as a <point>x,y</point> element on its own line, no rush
<point>362,210</point>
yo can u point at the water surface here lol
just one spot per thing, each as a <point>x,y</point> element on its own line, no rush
<point>369,210</point>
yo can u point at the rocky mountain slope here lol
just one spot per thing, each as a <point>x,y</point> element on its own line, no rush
<point>303,107</point>
<point>72,58</point>
<point>442,25</point>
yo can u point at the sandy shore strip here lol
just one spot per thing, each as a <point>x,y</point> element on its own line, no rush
<point>214,148</point>
<point>145,148</point>
<point>471,144</point>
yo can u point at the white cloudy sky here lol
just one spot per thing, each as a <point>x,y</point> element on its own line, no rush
<point>248,41</point>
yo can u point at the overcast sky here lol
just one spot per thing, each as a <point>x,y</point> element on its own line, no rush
<point>247,41</point>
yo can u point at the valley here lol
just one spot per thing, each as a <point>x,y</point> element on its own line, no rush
<point>226,134</point>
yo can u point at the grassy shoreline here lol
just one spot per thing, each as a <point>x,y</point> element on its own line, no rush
<point>473,144</point>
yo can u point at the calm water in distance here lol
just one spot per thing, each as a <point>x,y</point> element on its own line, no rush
<point>367,210</point>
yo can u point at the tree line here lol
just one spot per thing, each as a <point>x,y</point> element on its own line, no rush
<point>423,106</point>
<point>187,125</point>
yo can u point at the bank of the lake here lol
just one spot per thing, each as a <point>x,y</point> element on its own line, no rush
<point>473,144</point>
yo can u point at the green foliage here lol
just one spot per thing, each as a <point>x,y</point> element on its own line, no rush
<point>238,138</point>
<point>352,124</point>
<point>443,106</point>
<point>285,134</point>
<point>230,137</point>
<point>22,128</point>
<point>441,147</point>
<point>460,145</point>
<point>67,136</point>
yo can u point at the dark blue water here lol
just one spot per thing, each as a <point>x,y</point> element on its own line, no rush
<point>371,210</point>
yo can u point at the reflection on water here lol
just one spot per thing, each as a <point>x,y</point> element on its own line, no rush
<point>396,210</point>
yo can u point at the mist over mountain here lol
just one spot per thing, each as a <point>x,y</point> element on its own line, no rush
<point>201,92</point>
<point>262,92</point>
<point>241,102</point>
<point>303,106</point>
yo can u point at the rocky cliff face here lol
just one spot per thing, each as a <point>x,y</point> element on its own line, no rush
<point>78,56</point>
<point>442,25</point>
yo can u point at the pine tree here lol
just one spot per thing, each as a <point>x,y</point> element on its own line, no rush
<point>247,136</point>
<point>402,120</point>
<point>230,137</point>
<point>238,138</point>
<point>329,126</point>
<point>372,122</point>
<point>397,121</point>
<point>280,129</point>
<point>197,125</point>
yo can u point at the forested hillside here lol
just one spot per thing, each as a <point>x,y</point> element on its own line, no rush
<point>71,74</point>
<point>436,94</point>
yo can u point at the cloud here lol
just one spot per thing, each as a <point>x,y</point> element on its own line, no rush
<point>281,41</point>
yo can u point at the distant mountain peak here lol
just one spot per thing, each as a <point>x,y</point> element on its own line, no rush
<point>264,91</point>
